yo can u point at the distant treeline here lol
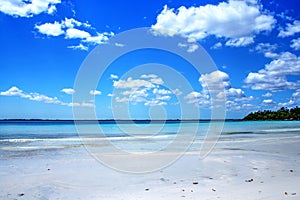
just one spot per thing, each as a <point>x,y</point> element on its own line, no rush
<point>281,114</point>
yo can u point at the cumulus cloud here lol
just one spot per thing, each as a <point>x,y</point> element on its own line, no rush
<point>68,90</point>
<point>21,8</point>
<point>274,76</point>
<point>290,30</point>
<point>74,30</point>
<point>215,81</point>
<point>238,21</point>
<point>295,44</point>
<point>146,89</point>
<point>73,33</point>
<point>200,99</point>
<point>95,92</point>
<point>218,83</point>
<point>50,29</point>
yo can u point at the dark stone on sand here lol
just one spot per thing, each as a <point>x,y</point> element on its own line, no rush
<point>249,180</point>
<point>291,170</point>
<point>285,193</point>
<point>174,182</point>
<point>21,194</point>
<point>147,189</point>
<point>195,183</point>
<point>48,169</point>
<point>213,189</point>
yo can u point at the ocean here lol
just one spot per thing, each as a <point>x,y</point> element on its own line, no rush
<point>142,136</point>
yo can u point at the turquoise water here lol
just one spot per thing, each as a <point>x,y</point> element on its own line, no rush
<point>41,135</point>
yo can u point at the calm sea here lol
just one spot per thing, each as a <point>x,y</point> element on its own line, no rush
<point>24,136</point>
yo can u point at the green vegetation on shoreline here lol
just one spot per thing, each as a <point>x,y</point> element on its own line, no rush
<point>281,114</point>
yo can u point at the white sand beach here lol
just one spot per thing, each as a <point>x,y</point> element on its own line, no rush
<point>247,169</point>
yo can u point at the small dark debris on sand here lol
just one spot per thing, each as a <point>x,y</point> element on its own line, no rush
<point>213,189</point>
<point>291,170</point>
<point>147,189</point>
<point>195,183</point>
<point>174,182</point>
<point>21,194</point>
<point>249,180</point>
<point>294,193</point>
<point>285,193</point>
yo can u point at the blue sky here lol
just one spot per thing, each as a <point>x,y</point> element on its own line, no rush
<point>254,44</point>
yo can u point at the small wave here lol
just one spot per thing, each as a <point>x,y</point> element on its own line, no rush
<point>79,139</point>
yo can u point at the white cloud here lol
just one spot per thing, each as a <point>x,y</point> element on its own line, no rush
<point>191,47</point>
<point>119,44</point>
<point>100,38</point>
<point>34,96</point>
<point>74,29</point>
<point>268,102</point>
<point>235,93</point>
<point>51,9</point>
<point>153,78</point>
<point>214,81</point>
<point>155,102</point>
<point>161,91</point>
<point>268,94</point>
<point>293,101</point>
<point>218,45</point>
<point>133,83</point>
<point>83,104</point>
<point>296,44</point>
<point>73,33</point>
<point>236,20</point>
<point>240,42</point>
<point>14,91</point>
<point>21,8</point>
<point>49,29</point>
<point>95,92</point>
<point>177,92</point>
<point>267,49</point>
<point>80,47</point>
<point>290,30</point>
<point>71,23</point>
<point>217,82</point>
<point>199,99</point>
<point>274,76</point>
<point>114,76</point>
<point>68,90</point>
<point>147,89</point>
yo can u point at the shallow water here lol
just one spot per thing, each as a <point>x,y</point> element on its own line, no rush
<point>28,136</point>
